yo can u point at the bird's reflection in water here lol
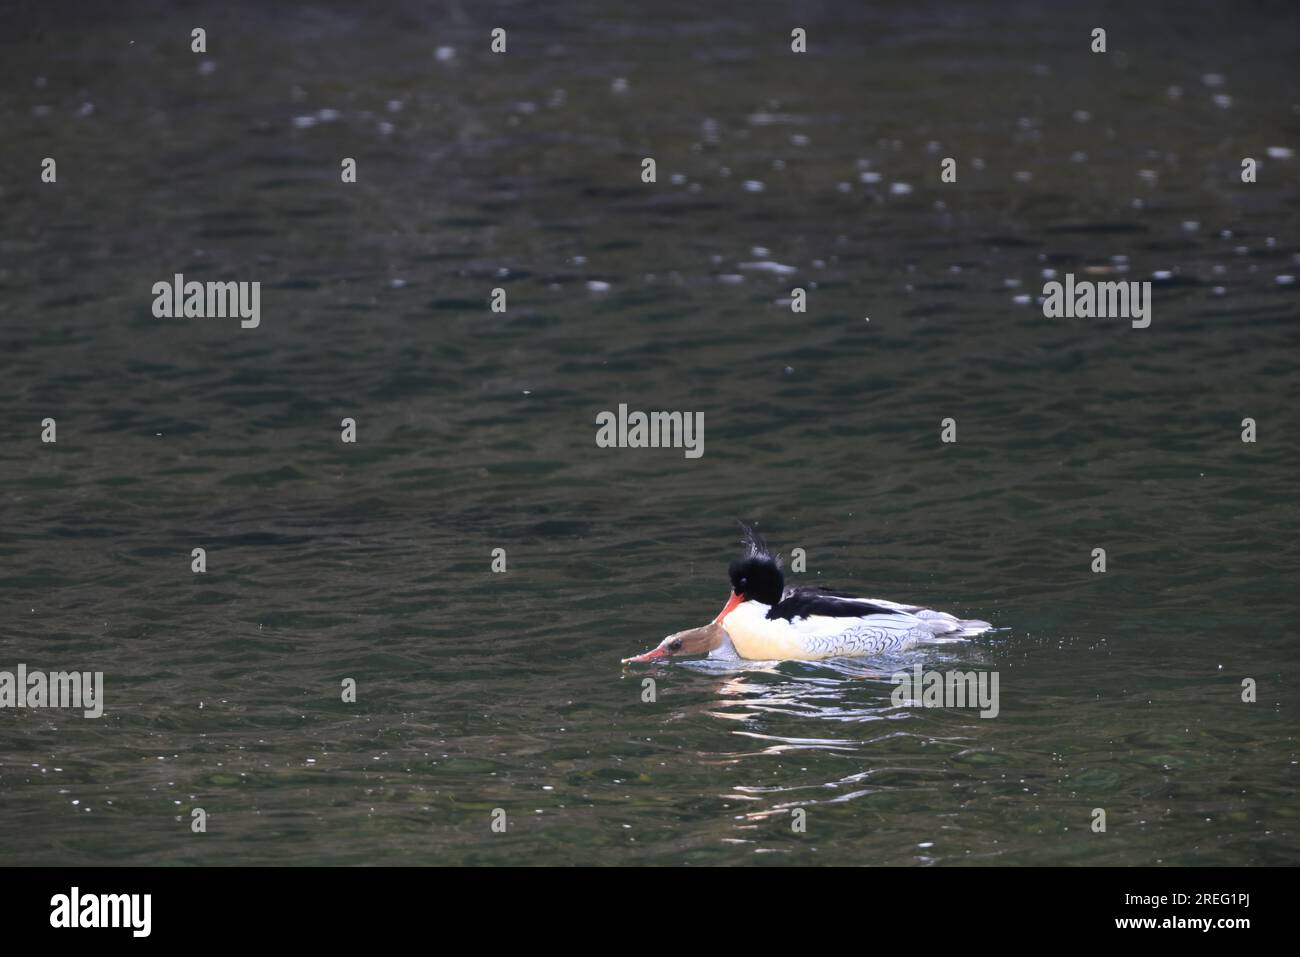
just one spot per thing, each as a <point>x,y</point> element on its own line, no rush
<point>756,695</point>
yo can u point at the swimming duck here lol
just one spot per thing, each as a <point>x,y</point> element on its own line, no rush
<point>763,620</point>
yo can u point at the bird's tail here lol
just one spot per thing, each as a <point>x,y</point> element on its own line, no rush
<point>950,627</point>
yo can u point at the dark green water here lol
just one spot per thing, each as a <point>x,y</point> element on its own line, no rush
<point>476,430</point>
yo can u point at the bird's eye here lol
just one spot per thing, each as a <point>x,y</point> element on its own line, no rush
<point>744,583</point>
<point>676,645</point>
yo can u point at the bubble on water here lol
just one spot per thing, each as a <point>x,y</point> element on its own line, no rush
<point>1082,116</point>
<point>798,139</point>
<point>596,285</point>
<point>731,279</point>
<point>393,106</point>
<point>777,269</point>
<point>304,122</point>
<point>444,54</point>
<point>1190,225</point>
<point>870,177</point>
<point>1280,152</point>
<point>1078,156</point>
<point>1286,280</point>
<point>1212,79</point>
<point>1162,274</point>
<point>1174,92</point>
<point>754,186</point>
<point>618,85</point>
<point>207,67</point>
<point>1023,176</point>
<point>86,109</point>
<point>1218,290</point>
<point>1011,283</point>
<point>327,115</point>
<point>844,187</point>
<point>1223,101</point>
<point>1022,299</point>
<point>900,189</point>
<point>1148,175</point>
<point>677,179</point>
<point>1049,273</point>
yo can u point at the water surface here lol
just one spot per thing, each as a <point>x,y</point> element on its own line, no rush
<point>479,691</point>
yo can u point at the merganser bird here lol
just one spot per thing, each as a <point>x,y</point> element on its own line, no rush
<point>765,621</point>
